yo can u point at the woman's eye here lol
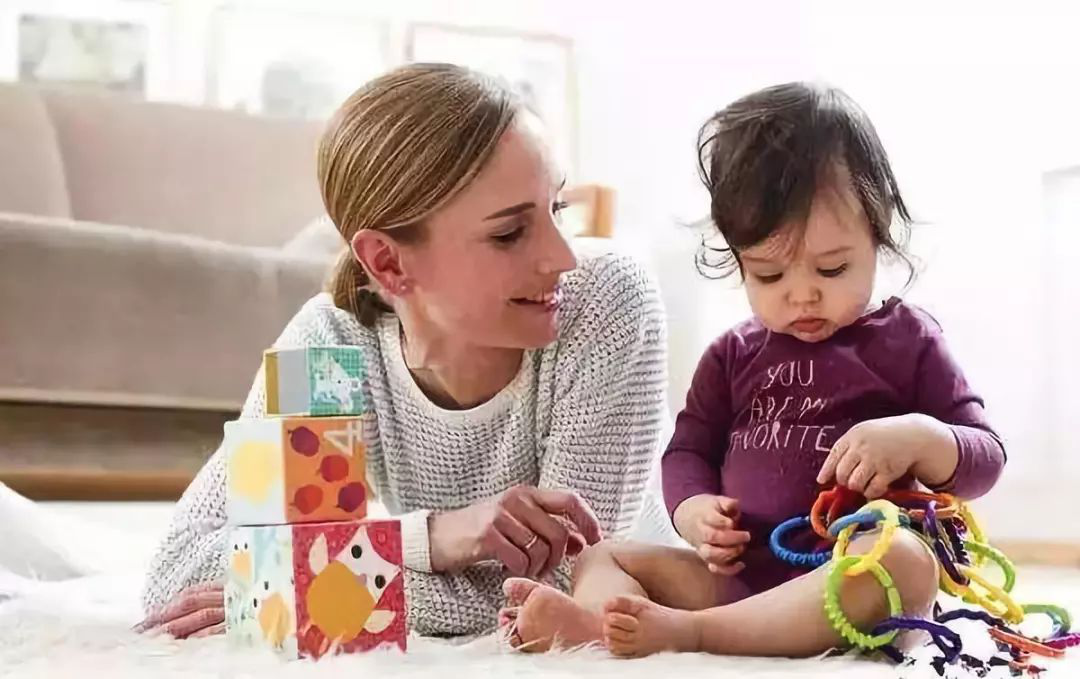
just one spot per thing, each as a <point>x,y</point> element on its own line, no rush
<point>509,236</point>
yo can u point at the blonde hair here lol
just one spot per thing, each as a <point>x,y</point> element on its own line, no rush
<point>399,149</point>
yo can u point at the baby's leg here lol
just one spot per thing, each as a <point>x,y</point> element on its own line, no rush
<point>788,620</point>
<point>543,616</point>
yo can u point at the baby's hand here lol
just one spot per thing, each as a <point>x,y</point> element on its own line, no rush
<point>874,453</point>
<point>708,523</point>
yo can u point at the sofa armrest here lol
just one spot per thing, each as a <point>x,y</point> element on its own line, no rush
<point>113,315</point>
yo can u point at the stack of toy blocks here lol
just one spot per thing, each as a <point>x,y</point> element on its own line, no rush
<point>307,573</point>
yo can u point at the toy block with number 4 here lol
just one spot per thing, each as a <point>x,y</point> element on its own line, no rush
<point>295,470</point>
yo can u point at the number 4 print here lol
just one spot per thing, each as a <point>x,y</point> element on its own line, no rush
<point>345,439</point>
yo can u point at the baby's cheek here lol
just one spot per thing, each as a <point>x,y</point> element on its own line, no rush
<point>852,307</point>
<point>768,308</point>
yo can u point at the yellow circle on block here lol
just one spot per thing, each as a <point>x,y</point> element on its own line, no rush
<point>252,471</point>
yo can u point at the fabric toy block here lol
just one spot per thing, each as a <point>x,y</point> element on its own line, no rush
<point>308,590</point>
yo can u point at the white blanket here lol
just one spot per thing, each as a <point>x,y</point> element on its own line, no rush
<point>77,624</point>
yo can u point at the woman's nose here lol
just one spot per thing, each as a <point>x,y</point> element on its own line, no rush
<point>557,256</point>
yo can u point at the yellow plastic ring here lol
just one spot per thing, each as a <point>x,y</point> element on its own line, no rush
<point>996,600</point>
<point>889,524</point>
<point>975,532</point>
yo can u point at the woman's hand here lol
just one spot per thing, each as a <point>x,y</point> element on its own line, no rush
<point>527,529</point>
<point>198,611</point>
<point>709,523</point>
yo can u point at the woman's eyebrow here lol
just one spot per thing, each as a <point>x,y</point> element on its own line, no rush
<point>512,210</point>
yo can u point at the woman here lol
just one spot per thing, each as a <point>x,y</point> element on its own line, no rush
<point>519,393</point>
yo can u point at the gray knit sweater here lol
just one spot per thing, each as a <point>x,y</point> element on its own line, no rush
<point>584,413</point>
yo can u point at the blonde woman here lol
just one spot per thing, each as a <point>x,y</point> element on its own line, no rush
<point>519,392</point>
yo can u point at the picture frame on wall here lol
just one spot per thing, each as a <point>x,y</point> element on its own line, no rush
<point>540,68</point>
<point>291,64</point>
<point>118,46</point>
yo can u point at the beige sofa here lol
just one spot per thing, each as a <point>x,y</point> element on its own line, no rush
<point>145,262</point>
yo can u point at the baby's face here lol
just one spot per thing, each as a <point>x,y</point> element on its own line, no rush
<point>814,277</point>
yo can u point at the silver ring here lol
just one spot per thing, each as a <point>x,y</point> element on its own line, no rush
<point>531,542</point>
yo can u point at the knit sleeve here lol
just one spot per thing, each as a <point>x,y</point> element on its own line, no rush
<point>608,396</point>
<point>191,552</point>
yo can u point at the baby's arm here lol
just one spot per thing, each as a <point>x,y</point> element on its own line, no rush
<point>691,463</point>
<point>691,466</point>
<point>942,392</point>
<point>944,441</point>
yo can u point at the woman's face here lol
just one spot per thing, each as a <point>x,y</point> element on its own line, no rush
<point>487,272</point>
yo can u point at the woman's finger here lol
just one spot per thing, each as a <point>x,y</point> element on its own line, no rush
<point>509,554</point>
<point>185,626</point>
<point>553,533</point>
<point>510,542</point>
<point>572,507</point>
<point>206,595</point>
<point>575,544</point>
<point>209,631</point>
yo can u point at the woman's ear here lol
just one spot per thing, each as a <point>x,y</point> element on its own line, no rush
<point>381,257</point>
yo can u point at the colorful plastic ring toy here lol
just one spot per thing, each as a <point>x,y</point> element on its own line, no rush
<point>889,524</point>
<point>835,613</point>
<point>944,638</point>
<point>802,559</point>
<point>1024,644</point>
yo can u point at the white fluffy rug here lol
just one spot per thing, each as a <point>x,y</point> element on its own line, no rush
<point>79,627</point>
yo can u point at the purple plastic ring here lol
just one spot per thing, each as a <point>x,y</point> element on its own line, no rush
<point>1064,641</point>
<point>947,641</point>
<point>958,549</point>
<point>930,525</point>
<point>968,614</point>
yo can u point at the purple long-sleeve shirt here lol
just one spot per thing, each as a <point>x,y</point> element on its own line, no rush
<point>765,408</point>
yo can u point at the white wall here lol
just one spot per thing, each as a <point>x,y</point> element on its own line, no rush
<point>974,105</point>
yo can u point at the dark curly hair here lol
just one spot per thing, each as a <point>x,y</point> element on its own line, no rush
<point>763,157</point>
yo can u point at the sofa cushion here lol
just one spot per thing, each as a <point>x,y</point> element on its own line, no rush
<point>218,175</point>
<point>320,238</point>
<point>31,174</point>
<point>111,315</point>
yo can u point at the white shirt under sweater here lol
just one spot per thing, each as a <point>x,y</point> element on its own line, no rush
<point>584,413</point>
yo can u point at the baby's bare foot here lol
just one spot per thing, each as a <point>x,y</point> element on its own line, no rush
<point>635,627</point>
<point>546,617</point>
<point>517,590</point>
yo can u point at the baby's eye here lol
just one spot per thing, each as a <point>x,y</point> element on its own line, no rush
<point>768,278</point>
<point>833,273</point>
